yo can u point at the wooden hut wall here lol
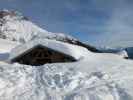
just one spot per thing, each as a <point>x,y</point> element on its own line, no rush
<point>40,55</point>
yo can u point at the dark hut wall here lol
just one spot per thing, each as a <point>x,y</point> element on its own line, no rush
<point>40,55</point>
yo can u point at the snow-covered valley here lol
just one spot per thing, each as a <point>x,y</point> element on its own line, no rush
<point>94,76</point>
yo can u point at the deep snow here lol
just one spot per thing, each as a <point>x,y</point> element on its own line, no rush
<point>87,79</point>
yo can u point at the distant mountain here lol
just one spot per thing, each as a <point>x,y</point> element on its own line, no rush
<point>16,27</point>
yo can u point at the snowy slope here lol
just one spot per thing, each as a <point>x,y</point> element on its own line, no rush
<point>95,77</point>
<point>15,27</point>
<point>5,48</point>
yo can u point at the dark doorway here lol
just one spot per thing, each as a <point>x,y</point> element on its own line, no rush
<point>40,55</point>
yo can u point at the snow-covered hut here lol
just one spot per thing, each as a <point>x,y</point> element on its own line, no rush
<point>42,51</point>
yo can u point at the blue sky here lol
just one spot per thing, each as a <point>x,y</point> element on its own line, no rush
<point>97,22</point>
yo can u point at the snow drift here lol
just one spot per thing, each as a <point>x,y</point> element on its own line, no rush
<point>51,82</point>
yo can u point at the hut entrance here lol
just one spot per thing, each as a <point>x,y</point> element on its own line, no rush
<point>40,55</point>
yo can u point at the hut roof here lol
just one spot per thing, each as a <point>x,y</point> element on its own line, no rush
<point>69,49</point>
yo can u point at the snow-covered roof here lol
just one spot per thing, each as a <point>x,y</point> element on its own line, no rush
<point>74,51</point>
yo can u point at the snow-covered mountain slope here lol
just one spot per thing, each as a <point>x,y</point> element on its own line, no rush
<point>5,48</point>
<point>15,27</point>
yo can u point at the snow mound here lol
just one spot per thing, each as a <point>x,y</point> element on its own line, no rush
<point>50,82</point>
